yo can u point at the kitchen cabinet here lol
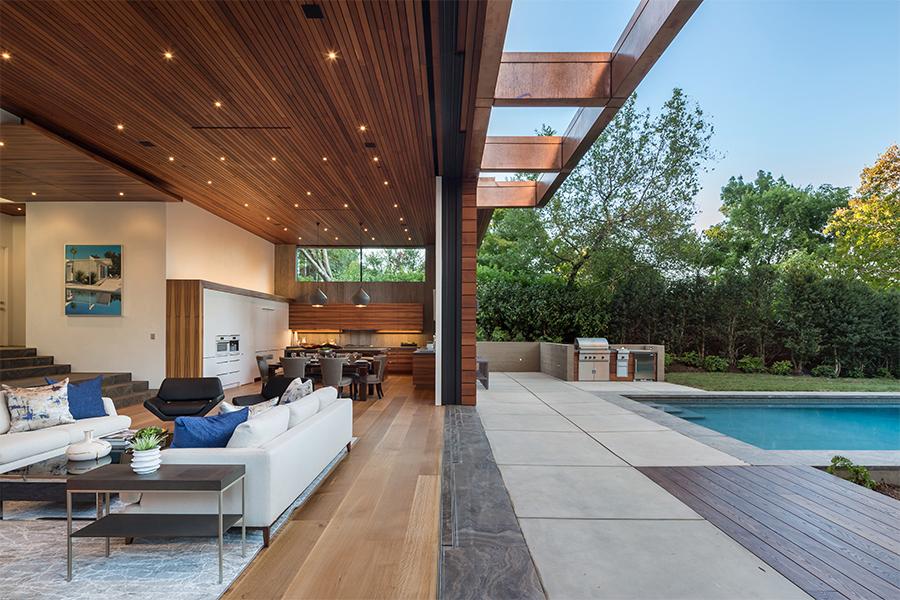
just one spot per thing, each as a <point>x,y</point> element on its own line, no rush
<point>400,360</point>
<point>386,317</point>
<point>423,368</point>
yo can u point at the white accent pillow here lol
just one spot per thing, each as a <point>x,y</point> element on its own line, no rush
<point>38,407</point>
<point>255,410</point>
<point>259,430</point>
<point>295,390</point>
<point>4,414</point>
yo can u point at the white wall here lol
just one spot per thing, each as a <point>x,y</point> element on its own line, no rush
<point>200,245</point>
<point>99,343</point>
<point>12,237</point>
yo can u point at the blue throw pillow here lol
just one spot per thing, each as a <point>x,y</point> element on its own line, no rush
<point>85,397</point>
<point>207,432</point>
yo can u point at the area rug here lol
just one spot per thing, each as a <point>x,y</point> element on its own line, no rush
<point>33,558</point>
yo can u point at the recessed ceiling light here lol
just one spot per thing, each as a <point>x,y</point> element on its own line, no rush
<point>2,144</point>
<point>209,182</point>
<point>346,205</point>
<point>246,205</point>
<point>373,238</point>
<point>362,128</point>
<point>18,208</point>
<point>171,159</point>
<point>296,205</point>
<point>268,218</point>
<point>326,229</point>
<point>325,158</point>
<point>274,158</point>
<point>409,238</point>
<point>221,158</point>
<point>395,205</point>
<point>217,104</point>
<point>299,237</point>
<point>34,193</point>
<point>285,228</point>
<point>375,158</point>
<point>385,182</point>
<point>121,193</point>
<point>335,238</point>
<point>406,230</point>
<point>308,193</point>
<point>120,126</point>
<point>6,55</point>
<point>168,55</point>
<point>401,219</point>
<point>365,229</point>
<point>331,55</point>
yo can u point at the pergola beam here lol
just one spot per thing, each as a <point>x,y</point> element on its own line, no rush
<point>506,194</point>
<point>529,154</point>
<point>652,28</point>
<point>554,79</point>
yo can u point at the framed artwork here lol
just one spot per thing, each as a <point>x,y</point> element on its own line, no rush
<point>94,280</point>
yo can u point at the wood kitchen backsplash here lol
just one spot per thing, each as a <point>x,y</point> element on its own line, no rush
<point>385,317</point>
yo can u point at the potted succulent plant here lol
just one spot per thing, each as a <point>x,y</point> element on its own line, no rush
<point>145,447</point>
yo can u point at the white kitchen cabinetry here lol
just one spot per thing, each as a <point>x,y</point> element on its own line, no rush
<point>261,324</point>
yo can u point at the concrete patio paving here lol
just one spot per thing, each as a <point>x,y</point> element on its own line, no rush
<point>595,526</point>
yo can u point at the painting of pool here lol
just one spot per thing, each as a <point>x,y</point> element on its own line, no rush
<point>800,426</point>
<point>92,303</point>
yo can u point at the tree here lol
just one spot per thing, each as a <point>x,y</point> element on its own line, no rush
<point>634,188</point>
<point>867,230</point>
<point>768,219</point>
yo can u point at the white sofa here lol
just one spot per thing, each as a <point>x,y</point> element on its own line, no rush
<point>26,447</point>
<point>277,471</point>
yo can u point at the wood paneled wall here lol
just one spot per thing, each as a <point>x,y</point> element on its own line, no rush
<point>184,328</point>
<point>337,317</point>
<point>341,292</point>
<point>469,252</point>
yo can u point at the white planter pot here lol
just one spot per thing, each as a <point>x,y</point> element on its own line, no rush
<point>146,461</point>
<point>88,448</point>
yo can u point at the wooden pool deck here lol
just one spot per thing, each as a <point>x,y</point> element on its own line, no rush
<point>831,538</point>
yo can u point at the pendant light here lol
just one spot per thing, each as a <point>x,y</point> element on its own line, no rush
<point>318,299</point>
<point>361,297</point>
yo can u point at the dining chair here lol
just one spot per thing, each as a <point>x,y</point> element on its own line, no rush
<point>294,367</point>
<point>377,378</point>
<point>333,374</point>
<point>263,365</point>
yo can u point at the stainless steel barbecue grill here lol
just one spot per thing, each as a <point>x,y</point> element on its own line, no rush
<point>593,359</point>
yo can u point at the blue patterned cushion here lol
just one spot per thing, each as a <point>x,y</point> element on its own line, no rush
<point>207,432</point>
<point>38,407</point>
<point>85,398</point>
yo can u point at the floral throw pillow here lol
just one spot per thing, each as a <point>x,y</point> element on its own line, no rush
<point>38,407</point>
<point>296,390</point>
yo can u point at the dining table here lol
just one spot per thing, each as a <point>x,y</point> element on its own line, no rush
<point>359,370</point>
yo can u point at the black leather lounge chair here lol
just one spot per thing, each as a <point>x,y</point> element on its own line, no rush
<point>185,397</point>
<point>273,388</point>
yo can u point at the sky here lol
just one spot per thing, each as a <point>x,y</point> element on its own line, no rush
<point>807,89</point>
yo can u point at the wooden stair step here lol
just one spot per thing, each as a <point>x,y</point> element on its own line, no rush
<point>24,361</point>
<point>16,351</point>
<point>36,371</point>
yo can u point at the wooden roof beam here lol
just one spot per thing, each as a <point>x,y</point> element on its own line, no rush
<point>506,194</point>
<point>652,28</point>
<point>530,154</point>
<point>554,79</point>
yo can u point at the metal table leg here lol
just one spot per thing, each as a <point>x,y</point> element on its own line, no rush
<point>69,533</point>
<point>107,514</point>
<point>220,537</point>
<point>243,519</point>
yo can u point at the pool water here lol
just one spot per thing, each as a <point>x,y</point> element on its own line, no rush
<point>801,427</point>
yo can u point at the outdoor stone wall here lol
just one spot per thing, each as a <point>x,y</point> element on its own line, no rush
<point>511,357</point>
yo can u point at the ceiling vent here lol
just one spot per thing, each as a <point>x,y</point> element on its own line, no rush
<point>313,11</point>
<point>147,144</point>
<point>370,144</point>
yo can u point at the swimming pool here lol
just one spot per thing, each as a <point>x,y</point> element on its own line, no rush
<point>799,426</point>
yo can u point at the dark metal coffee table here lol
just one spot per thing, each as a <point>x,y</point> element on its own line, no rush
<point>215,479</point>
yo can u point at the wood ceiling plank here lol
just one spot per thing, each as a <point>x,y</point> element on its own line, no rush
<point>83,66</point>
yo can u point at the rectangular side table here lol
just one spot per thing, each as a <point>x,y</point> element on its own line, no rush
<point>215,479</point>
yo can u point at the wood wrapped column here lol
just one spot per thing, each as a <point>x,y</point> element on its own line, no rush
<point>468,300</point>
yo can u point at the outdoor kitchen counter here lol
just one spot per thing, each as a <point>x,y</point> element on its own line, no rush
<point>423,368</point>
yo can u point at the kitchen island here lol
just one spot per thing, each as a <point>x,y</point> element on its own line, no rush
<point>423,368</point>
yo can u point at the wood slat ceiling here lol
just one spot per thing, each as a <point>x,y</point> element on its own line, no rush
<point>37,168</point>
<point>80,68</point>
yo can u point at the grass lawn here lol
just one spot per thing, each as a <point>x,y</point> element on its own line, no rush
<point>760,382</point>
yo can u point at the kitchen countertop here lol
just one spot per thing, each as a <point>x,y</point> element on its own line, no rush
<point>424,351</point>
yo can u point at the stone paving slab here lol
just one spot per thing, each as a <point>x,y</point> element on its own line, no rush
<point>663,449</point>
<point>503,422</point>
<point>549,448</point>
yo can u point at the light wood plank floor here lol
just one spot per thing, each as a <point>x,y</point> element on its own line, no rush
<point>372,530</point>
